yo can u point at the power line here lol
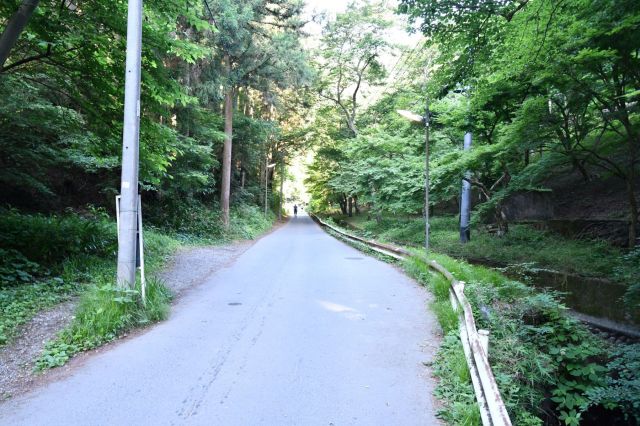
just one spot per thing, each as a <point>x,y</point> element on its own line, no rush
<point>402,69</point>
<point>206,3</point>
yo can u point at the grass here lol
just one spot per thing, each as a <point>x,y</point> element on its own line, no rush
<point>103,314</point>
<point>104,311</point>
<point>522,245</point>
<point>454,385</point>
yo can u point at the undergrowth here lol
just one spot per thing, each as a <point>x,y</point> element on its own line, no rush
<point>104,313</point>
<point>523,244</point>
<point>550,369</point>
<point>197,223</point>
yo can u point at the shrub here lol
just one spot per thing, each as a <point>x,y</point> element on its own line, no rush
<point>48,240</point>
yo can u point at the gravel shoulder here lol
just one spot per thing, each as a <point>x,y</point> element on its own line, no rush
<point>17,358</point>
<point>188,268</point>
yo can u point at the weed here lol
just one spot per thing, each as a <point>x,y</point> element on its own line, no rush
<point>454,386</point>
<point>18,304</point>
<point>104,313</point>
<point>447,317</point>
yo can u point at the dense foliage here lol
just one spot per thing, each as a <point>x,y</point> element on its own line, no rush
<point>548,89</point>
<point>62,90</point>
<point>548,366</point>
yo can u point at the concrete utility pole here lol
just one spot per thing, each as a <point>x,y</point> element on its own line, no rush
<point>225,186</point>
<point>126,274</point>
<point>465,199</point>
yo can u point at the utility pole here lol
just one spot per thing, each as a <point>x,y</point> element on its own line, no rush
<point>126,273</point>
<point>427,120</point>
<point>465,199</point>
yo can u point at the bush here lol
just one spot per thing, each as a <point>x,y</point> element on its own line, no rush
<point>16,269</point>
<point>622,387</point>
<point>196,222</point>
<point>48,240</point>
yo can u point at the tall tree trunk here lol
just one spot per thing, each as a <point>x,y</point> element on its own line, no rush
<point>14,28</point>
<point>225,187</point>
<point>501,222</point>
<point>350,201</point>
<point>343,204</point>
<point>281,188</point>
<point>355,204</point>
<point>633,213</point>
<point>633,141</point>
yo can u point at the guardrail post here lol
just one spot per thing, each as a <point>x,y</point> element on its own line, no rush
<point>483,335</point>
<point>454,301</point>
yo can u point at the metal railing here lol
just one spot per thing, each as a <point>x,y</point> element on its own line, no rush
<point>475,343</point>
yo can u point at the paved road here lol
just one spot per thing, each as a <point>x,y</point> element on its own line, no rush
<point>301,330</point>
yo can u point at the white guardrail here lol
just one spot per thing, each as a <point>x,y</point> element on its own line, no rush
<point>474,342</point>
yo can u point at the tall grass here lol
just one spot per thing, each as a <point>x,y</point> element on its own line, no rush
<point>523,244</point>
<point>103,314</point>
<point>49,240</point>
<point>105,311</point>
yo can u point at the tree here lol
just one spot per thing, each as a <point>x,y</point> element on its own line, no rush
<point>258,45</point>
<point>14,28</point>
<point>349,57</point>
<point>547,76</point>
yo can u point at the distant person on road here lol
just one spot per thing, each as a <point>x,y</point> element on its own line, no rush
<point>295,210</point>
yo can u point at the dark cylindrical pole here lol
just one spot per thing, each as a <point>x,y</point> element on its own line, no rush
<point>465,199</point>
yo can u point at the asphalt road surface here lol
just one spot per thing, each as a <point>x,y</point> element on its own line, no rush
<point>301,330</point>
